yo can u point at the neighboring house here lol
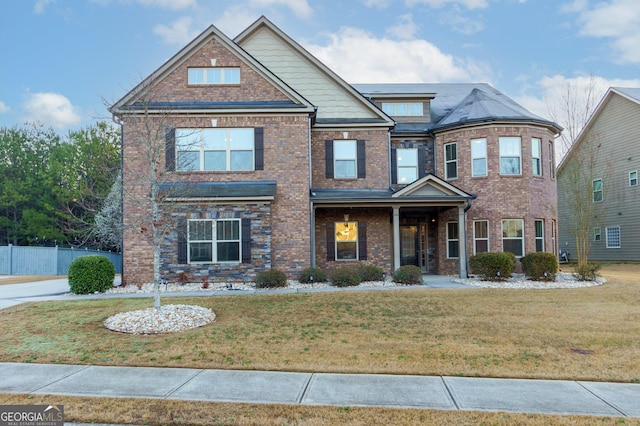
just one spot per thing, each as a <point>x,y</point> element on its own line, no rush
<point>608,152</point>
<point>273,161</point>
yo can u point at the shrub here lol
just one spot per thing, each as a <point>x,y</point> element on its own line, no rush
<point>90,274</point>
<point>588,272</point>
<point>534,266</point>
<point>271,279</point>
<point>345,277</point>
<point>318,276</point>
<point>369,272</point>
<point>408,274</point>
<point>493,266</point>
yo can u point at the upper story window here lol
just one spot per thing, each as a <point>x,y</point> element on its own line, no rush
<point>216,149</point>
<point>479,157</point>
<point>403,108</point>
<point>633,178</point>
<point>407,163</point>
<point>451,161</point>
<point>345,159</point>
<point>536,156</point>
<point>510,156</point>
<point>213,241</point>
<point>598,194</point>
<point>214,76</point>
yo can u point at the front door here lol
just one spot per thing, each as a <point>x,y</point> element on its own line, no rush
<point>409,245</point>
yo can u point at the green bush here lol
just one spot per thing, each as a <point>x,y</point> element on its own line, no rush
<point>345,277</point>
<point>369,272</point>
<point>534,266</point>
<point>588,272</point>
<point>408,274</point>
<point>318,276</point>
<point>271,279</point>
<point>493,266</point>
<point>90,274</point>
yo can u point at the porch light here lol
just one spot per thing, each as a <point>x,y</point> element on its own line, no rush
<point>498,273</point>
<point>311,279</point>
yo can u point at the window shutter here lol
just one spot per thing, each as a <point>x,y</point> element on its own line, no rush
<point>361,160</point>
<point>422,159</point>
<point>246,240</point>
<point>259,148</point>
<point>182,241</point>
<point>394,165</point>
<point>362,240</point>
<point>170,149</point>
<point>328,156</point>
<point>331,241</point>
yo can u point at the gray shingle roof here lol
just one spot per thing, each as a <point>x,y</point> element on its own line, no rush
<point>249,189</point>
<point>632,92</point>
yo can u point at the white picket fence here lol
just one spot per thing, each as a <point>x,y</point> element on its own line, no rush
<point>20,260</point>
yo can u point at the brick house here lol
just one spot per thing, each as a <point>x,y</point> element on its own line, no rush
<point>268,159</point>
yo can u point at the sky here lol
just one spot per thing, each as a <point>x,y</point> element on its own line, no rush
<point>62,62</point>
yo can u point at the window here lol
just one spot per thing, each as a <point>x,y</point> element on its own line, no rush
<point>510,156</point>
<point>215,149</point>
<point>451,161</point>
<point>633,178</point>
<point>613,237</point>
<point>346,240</point>
<point>407,163</point>
<point>213,241</point>
<point>597,191</point>
<point>479,157</point>
<point>513,236</point>
<point>536,155</point>
<point>214,76</point>
<point>453,241</point>
<point>597,234</point>
<point>403,108</point>
<point>480,236</point>
<point>539,234</point>
<point>552,165</point>
<point>344,159</point>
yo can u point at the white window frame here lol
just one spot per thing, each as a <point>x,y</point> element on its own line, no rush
<point>194,140</point>
<point>476,238</point>
<point>346,229</point>
<point>506,237</point>
<point>595,191</point>
<point>406,161</point>
<point>597,234</point>
<point>453,239</point>
<point>353,159</point>
<point>539,237</point>
<point>403,109</point>
<point>505,147</point>
<point>226,76</point>
<point>633,178</point>
<point>214,241</point>
<point>479,156</point>
<point>536,156</point>
<point>448,161</point>
<point>614,235</point>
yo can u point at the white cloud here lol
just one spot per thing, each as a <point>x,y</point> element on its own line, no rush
<point>181,31</point>
<point>404,29</point>
<point>300,8</point>
<point>380,4</point>
<point>469,4</point>
<point>618,20</point>
<point>38,7</point>
<point>51,109</point>
<point>4,108</point>
<point>460,23</point>
<point>170,4</point>
<point>373,60</point>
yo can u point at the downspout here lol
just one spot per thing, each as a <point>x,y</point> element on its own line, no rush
<point>466,209</point>
<point>117,120</point>
<point>312,213</point>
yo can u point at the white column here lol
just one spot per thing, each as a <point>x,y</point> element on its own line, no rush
<point>396,238</point>
<point>462,242</point>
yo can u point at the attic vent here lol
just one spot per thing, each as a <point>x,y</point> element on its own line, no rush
<point>213,62</point>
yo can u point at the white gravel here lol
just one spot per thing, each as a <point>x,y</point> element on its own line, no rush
<point>518,281</point>
<point>167,319</point>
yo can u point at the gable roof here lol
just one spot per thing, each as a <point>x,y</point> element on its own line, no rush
<point>130,101</point>
<point>334,98</point>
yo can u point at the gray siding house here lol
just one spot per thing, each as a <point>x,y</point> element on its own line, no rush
<point>611,138</point>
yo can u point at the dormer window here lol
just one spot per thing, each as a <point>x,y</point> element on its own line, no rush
<point>403,109</point>
<point>214,76</point>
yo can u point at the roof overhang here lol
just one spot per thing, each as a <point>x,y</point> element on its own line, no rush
<point>238,192</point>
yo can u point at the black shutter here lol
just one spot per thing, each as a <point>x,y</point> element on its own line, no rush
<point>394,165</point>
<point>422,160</point>
<point>331,241</point>
<point>362,241</point>
<point>259,148</point>
<point>182,241</point>
<point>328,158</point>
<point>170,148</point>
<point>246,240</point>
<point>362,173</point>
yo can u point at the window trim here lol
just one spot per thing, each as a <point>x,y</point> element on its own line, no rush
<point>356,242</point>
<point>399,167</point>
<point>391,108</point>
<point>519,157</point>
<point>201,149</point>
<point>522,246</point>
<point>214,241</point>
<point>619,236</point>
<point>483,158</point>
<point>476,238</point>
<point>595,191</point>
<point>453,240</point>
<point>354,158</point>
<point>221,82</point>
<point>536,161</point>
<point>633,181</point>
<point>539,238</point>
<point>453,161</point>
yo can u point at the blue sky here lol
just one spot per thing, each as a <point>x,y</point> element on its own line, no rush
<point>62,60</point>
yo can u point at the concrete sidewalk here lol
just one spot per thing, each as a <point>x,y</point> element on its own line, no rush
<point>266,387</point>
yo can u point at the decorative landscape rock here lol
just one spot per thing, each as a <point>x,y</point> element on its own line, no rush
<point>167,319</point>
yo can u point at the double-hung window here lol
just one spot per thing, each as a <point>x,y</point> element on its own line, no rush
<point>480,236</point>
<point>536,156</point>
<point>510,156</point>
<point>345,161</point>
<point>598,195</point>
<point>479,157</point>
<point>213,241</point>
<point>451,161</point>
<point>597,234</point>
<point>407,164</point>
<point>633,178</point>
<point>613,237</point>
<point>539,224</point>
<point>346,240</point>
<point>217,149</point>
<point>213,76</point>
<point>453,240</point>
<point>513,236</point>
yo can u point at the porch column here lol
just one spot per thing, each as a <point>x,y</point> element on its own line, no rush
<point>396,238</point>
<point>462,242</point>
